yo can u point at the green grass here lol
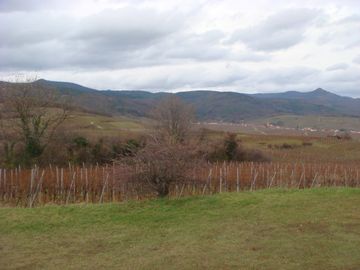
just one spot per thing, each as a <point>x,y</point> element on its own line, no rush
<point>274,229</point>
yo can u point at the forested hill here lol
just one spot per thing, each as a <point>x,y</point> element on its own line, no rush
<point>209,105</point>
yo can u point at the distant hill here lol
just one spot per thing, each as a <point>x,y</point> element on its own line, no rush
<point>319,97</point>
<point>209,105</point>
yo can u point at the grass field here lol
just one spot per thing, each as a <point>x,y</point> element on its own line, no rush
<point>318,122</point>
<point>320,149</point>
<point>271,229</point>
<point>98,125</point>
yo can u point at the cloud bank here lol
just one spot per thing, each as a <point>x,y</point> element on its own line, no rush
<point>183,45</point>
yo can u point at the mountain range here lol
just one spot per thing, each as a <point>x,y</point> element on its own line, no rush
<point>209,105</point>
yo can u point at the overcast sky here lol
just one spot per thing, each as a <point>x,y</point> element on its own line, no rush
<point>174,45</point>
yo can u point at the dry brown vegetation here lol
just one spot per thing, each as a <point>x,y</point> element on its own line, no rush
<point>96,184</point>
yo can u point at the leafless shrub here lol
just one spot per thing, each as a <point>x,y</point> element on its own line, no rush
<point>160,164</point>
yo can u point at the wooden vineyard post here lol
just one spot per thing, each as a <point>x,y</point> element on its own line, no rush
<point>37,190</point>
<point>103,188</point>
<point>253,184</point>
<point>32,175</point>
<point>237,179</point>
<point>204,188</point>
<point>208,183</point>
<point>86,185</point>
<point>292,178</point>
<point>220,181</point>
<point>225,175</point>
<point>71,186</point>
<point>113,184</point>
<point>334,176</point>
<point>272,179</point>
<point>1,189</point>
<point>11,183</point>
<point>314,180</point>
<point>56,191</point>
<point>181,191</point>
<point>5,189</point>
<point>345,177</point>
<point>304,175</point>
<point>61,182</point>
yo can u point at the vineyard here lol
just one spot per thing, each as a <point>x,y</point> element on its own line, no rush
<point>98,184</point>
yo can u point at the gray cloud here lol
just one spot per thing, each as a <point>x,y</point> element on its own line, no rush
<point>195,78</point>
<point>355,18</point>
<point>122,38</point>
<point>340,66</point>
<point>345,82</point>
<point>39,56</point>
<point>170,45</point>
<point>125,28</point>
<point>29,5</point>
<point>205,46</point>
<point>19,29</point>
<point>351,75</point>
<point>280,31</point>
<point>111,38</point>
<point>357,60</point>
<point>288,76</point>
<point>340,34</point>
<point>222,77</point>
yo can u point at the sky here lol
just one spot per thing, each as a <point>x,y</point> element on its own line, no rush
<point>180,45</point>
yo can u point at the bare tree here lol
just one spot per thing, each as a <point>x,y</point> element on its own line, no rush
<point>174,118</point>
<point>160,164</point>
<point>32,113</point>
